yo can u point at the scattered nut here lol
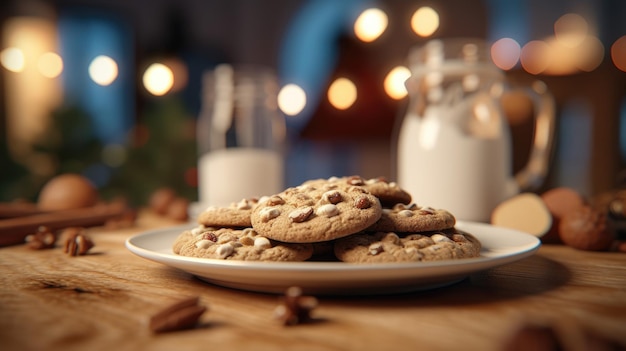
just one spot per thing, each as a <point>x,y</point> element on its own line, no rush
<point>586,228</point>
<point>76,242</point>
<point>43,239</point>
<point>295,308</point>
<point>183,314</point>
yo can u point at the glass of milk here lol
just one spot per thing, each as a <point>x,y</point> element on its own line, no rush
<point>241,135</point>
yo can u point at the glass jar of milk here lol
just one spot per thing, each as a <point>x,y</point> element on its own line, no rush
<point>241,135</point>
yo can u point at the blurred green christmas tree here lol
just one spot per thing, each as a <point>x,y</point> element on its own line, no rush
<point>160,152</point>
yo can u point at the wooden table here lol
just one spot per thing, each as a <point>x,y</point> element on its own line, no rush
<point>53,301</point>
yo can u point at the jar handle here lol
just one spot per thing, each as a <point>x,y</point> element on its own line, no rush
<point>532,175</point>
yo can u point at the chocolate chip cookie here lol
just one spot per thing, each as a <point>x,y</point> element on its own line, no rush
<point>237,214</point>
<point>392,247</point>
<point>316,212</point>
<point>237,244</point>
<point>413,218</point>
<point>389,193</point>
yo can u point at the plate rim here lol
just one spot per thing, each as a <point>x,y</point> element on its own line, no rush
<point>493,260</point>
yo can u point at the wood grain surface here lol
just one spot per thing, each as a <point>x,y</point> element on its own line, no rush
<point>52,301</point>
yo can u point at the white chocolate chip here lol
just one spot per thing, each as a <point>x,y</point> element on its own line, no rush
<point>246,240</point>
<point>269,213</point>
<point>438,238</point>
<point>411,251</point>
<point>249,232</point>
<point>375,249</point>
<point>262,242</point>
<point>244,205</point>
<point>327,210</point>
<point>224,250</point>
<point>198,230</point>
<point>427,210</point>
<point>405,213</point>
<point>203,244</point>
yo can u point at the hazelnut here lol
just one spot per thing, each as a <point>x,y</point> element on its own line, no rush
<point>560,201</point>
<point>67,191</point>
<point>585,228</point>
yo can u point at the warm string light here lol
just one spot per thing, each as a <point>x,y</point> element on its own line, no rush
<point>103,70</point>
<point>291,99</point>
<point>342,93</point>
<point>370,24</point>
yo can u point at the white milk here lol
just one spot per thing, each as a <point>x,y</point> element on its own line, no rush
<point>230,175</point>
<point>442,167</point>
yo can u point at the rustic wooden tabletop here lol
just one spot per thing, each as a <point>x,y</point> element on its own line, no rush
<point>50,300</point>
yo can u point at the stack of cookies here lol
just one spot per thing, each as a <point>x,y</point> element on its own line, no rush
<point>349,219</point>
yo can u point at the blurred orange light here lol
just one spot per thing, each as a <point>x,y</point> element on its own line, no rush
<point>618,53</point>
<point>370,24</point>
<point>591,52</point>
<point>342,93</point>
<point>505,53</point>
<point>50,65</point>
<point>535,56</point>
<point>425,21</point>
<point>394,82</point>
<point>571,29</point>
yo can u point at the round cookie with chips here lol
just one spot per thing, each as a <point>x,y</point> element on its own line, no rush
<point>413,218</point>
<point>382,247</point>
<point>237,214</point>
<point>316,212</point>
<point>237,244</point>
<point>389,193</point>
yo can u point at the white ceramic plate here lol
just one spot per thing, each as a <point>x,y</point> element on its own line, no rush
<point>499,246</point>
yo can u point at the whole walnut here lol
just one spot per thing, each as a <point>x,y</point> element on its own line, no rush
<point>586,228</point>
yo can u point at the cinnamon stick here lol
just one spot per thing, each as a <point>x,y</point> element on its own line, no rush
<point>14,230</point>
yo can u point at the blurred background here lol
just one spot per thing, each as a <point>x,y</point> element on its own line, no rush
<point>111,89</point>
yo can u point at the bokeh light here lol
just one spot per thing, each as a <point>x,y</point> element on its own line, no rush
<point>291,99</point>
<point>370,24</point>
<point>571,29</point>
<point>342,93</point>
<point>618,53</point>
<point>103,70</point>
<point>50,65</point>
<point>535,56</point>
<point>591,53</point>
<point>425,21</point>
<point>394,82</point>
<point>505,53</point>
<point>158,79</point>
<point>12,59</point>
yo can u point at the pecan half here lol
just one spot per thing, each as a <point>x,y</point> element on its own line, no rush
<point>76,242</point>
<point>295,308</point>
<point>182,314</point>
<point>43,239</point>
<point>301,214</point>
<point>362,203</point>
